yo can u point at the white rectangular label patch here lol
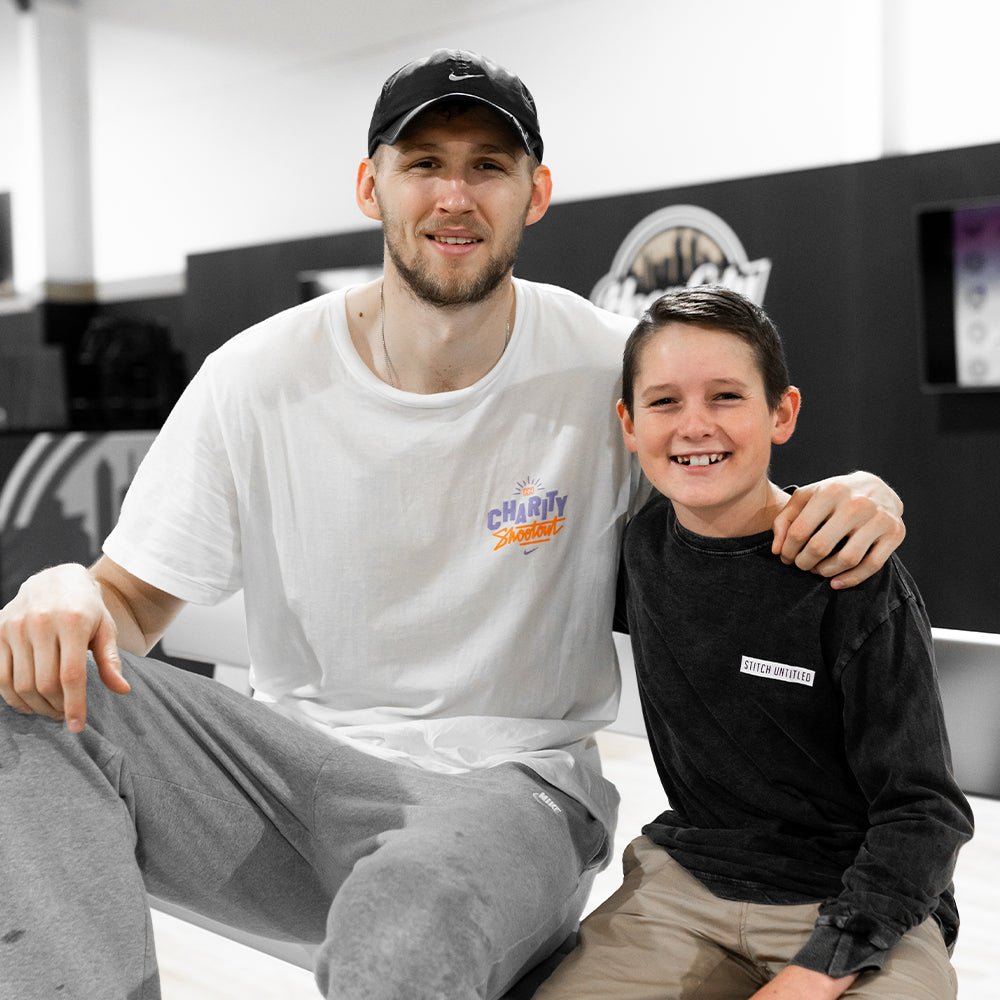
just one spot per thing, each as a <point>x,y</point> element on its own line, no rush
<point>777,671</point>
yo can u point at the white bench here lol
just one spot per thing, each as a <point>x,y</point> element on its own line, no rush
<point>968,665</point>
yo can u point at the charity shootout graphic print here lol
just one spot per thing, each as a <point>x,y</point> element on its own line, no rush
<point>674,247</point>
<point>532,516</point>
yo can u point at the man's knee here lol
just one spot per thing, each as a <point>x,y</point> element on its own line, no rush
<point>421,932</point>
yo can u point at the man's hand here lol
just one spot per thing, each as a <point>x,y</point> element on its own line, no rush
<point>45,633</point>
<point>845,528</point>
<point>796,983</point>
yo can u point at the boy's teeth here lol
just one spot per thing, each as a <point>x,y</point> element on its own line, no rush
<point>699,459</point>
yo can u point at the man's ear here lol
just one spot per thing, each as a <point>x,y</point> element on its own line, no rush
<point>364,190</point>
<point>628,427</point>
<point>541,194</point>
<point>786,415</point>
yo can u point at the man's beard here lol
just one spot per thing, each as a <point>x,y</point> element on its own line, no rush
<point>456,292</point>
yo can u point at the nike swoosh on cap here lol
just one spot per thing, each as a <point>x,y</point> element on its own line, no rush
<point>466,76</point>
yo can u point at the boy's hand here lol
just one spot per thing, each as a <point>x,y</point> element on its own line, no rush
<point>796,983</point>
<point>845,527</point>
<point>45,633</point>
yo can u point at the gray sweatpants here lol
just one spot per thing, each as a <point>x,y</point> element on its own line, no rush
<point>413,884</point>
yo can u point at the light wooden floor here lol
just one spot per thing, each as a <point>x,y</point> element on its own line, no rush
<point>198,965</point>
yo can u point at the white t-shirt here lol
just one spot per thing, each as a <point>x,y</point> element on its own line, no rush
<point>431,577</point>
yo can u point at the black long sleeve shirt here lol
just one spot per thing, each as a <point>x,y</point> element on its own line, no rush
<point>799,736</point>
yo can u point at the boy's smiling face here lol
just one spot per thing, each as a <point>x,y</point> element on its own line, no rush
<point>703,431</point>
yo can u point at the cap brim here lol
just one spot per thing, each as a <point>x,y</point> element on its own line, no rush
<point>390,135</point>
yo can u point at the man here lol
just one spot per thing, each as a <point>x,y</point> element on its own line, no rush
<point>419,485</point>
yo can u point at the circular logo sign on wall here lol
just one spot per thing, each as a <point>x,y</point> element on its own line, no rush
<point>673,247</point>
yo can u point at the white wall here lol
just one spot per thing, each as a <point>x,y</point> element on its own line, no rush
<point>9,96</point>
<point>208,139</point>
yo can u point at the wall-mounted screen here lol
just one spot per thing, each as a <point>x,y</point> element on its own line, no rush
<point>959,254</point>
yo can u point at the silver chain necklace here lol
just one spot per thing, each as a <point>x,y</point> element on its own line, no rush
<point>390,368</point>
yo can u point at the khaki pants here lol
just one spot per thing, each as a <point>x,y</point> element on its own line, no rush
<point>664,936</point>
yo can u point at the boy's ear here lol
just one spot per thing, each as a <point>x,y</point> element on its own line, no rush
<point>786,415</point>
<point>628,427</point>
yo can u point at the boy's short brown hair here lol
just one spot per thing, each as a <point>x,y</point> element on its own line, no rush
<point>718,308</point>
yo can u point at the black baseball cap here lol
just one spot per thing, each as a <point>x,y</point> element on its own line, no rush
<point>453,73</point>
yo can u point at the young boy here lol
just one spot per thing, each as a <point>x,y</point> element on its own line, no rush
<point>814,821</point>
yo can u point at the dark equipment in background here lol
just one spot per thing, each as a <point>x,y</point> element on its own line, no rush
<point>125,375</point>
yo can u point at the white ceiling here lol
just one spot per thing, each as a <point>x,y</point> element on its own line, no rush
<point>311,28</point>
